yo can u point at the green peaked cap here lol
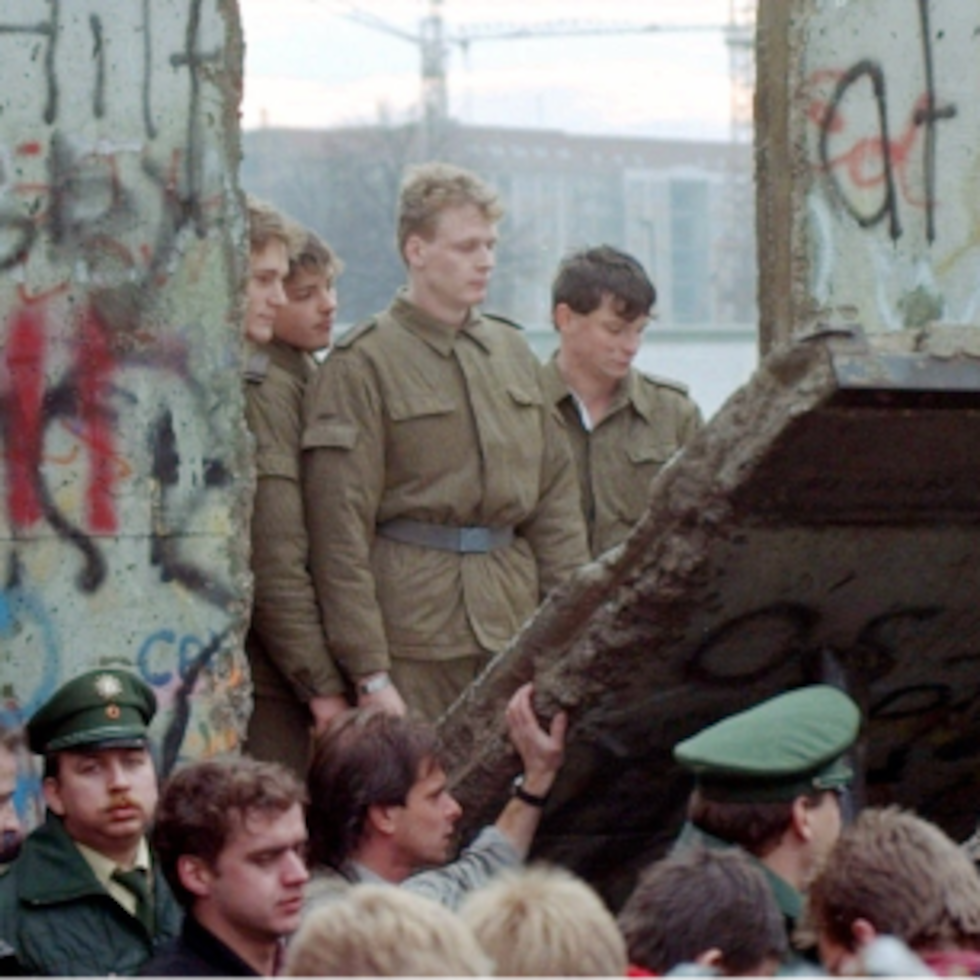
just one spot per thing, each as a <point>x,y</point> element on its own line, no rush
<point>99,707</point>
<point>788,746</point>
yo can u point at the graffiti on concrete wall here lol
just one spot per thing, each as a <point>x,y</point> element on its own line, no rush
<point>123,463</point>
<point>891,125</point>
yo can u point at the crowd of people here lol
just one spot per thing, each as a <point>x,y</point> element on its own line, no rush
<point>237,867</point>
<point>419,491</point>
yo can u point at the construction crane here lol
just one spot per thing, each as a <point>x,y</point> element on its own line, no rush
<point>434,42</point>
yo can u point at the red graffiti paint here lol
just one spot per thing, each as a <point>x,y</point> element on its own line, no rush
<point>25,368</point>
<point>96,365</point>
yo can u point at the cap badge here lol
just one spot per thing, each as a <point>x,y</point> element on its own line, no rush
<point>107,687</point>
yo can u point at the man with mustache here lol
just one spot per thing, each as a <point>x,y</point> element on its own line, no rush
<point>84,897</point>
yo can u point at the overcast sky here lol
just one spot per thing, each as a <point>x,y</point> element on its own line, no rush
<point>307,65</point>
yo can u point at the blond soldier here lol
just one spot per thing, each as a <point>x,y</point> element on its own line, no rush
<point>297,686</point>
<point>623,425</point>
<point>440,493</point>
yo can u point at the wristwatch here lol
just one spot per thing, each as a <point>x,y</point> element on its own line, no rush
<point>518,791</point>
<point>374,684</point>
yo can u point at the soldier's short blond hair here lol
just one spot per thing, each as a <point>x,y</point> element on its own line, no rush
<point>266,224</point>
<point>430,188</point>
<point>384,931</point>
<point>545,921</point>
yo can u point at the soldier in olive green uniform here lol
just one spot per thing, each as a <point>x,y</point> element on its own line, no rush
<point>296,684</point>
<point>768,781</point>
<point>623,425</point>
<point>440,492</point>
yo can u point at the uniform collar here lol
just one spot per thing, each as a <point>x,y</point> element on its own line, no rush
<point>440,336</point>
<point>628,392</point>
<point>297,362</point>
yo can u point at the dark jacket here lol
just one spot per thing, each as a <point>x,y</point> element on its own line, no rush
<point>61,921</point>
<point>197,953</point>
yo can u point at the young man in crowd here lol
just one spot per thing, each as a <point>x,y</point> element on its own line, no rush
<point>376,931</point>
<point>623,425</point>
<point>767,781</point>
<point>545,922</point>
<point>380,810</point>
<point>297,687</point>
<point>231,838</point>
<point>707,909</point>
<point>85,896</point>
<point>440,493</point>
<point>894,874</point>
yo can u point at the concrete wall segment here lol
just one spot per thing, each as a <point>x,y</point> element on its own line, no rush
<point>867,129</point>
<point>125,466</point>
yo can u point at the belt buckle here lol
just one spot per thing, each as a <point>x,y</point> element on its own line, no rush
<point>474,540</point>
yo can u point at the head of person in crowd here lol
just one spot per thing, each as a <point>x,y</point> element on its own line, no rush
<point>601,302</point>
<point>378,795</point>
<point>100,780</point>
<point>379,931</point>
<point>712,908</point>
<point>231,838</point>
<point>447,237</point>
<point>768,779</point>
<point>545,921</point>
<point>892,873</point>
<point>270,238</point>
<point>306,320</point>
<point>11,828</point>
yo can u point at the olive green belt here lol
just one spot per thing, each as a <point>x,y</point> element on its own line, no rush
<point>463,540</point>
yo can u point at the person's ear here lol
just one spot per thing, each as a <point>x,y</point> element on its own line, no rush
<point>414,251</point>
<point>381,819</point>
<point>800,818</point>
<point>562,315</point>
<point>51,788</point>
<point>711,958</point>
<point>195,874</point>
<point>863,932</point>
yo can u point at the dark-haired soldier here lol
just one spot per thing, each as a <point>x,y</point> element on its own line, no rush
<point>85,898</point>
<point>623,425</point>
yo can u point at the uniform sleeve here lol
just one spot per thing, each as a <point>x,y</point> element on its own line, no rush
<point>285,616</point>
<point>556,528</point>
<point>343,479</point>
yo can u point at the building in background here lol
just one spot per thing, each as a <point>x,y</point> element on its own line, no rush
<point>665,201</point>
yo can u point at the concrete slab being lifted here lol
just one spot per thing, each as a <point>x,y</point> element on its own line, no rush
<point>824,526</point>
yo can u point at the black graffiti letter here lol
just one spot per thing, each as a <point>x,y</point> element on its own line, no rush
<point>889,205</point>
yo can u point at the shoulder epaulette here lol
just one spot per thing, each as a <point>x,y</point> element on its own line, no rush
<point>658,379</point>
<point>501,319</point>
<point>356,332</point>
<point>257,366</point>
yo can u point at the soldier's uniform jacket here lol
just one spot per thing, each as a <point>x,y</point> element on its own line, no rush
<point>286,647</point>
<point>647,422</point>
<point>410,418</point>
<point>61,921</point>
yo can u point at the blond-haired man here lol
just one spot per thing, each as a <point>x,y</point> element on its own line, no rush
<point>441,495</point>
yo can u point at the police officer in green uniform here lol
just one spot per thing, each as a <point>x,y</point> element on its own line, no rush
<point>84,897</point>
<point>768,780</point>
<point>623,425</point>
<point>441,496</point>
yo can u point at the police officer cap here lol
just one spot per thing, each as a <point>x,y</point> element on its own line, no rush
<point>101,707</point>
<point>788,746</point>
